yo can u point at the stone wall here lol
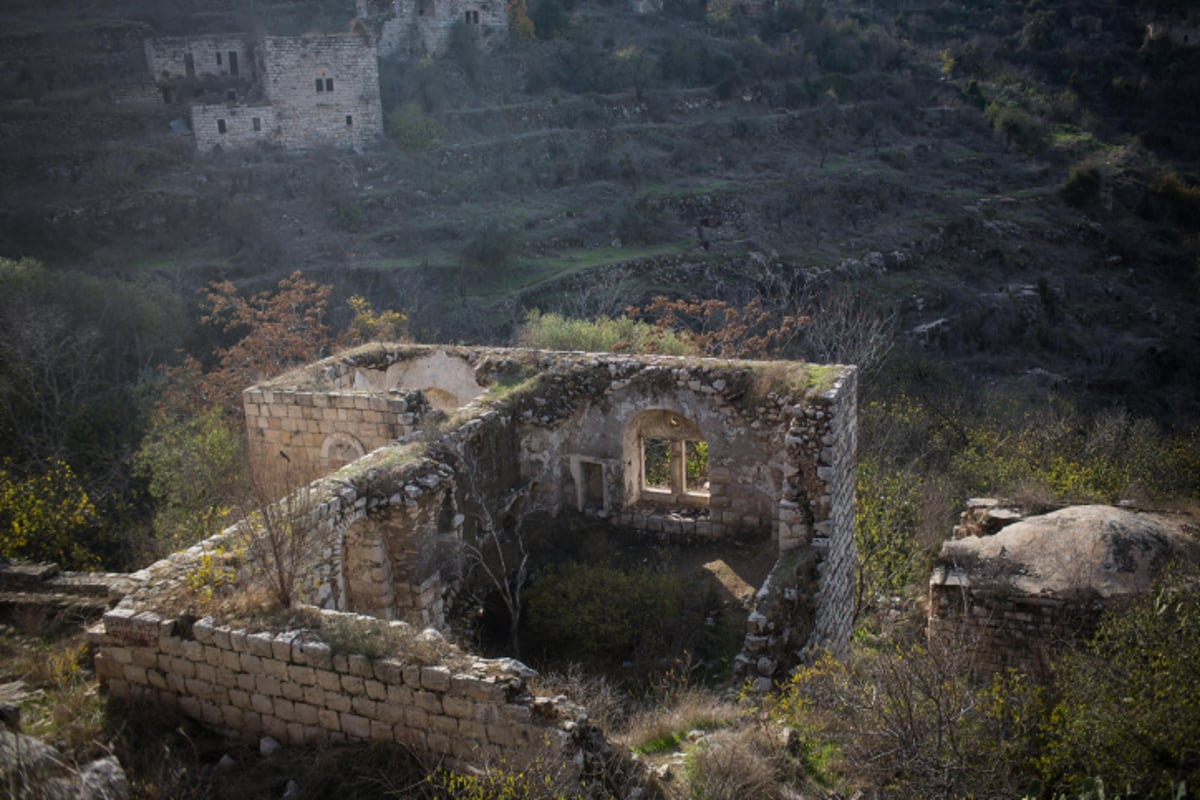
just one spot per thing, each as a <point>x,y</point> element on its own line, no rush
<point>230,125</point>
<point>297,688</point>
<point>167,57</point>
<point>326,429</point>
<point>345,111</point>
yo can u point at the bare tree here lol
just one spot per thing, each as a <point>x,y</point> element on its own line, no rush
<point>498,551</point>
<point>847,329</point>
<point>277,529</point>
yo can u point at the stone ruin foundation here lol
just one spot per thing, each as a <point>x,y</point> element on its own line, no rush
<point>426,449</point>
<point>1017,590</point>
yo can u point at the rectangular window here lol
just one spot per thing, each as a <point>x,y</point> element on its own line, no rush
<point>189,65</point>
<point>220,126</point>
<point>320,85</point>
<point>218,58</point>
<point>329,84</point>
<point>233,67</point>
<point>231,95</point>
<point>257,123</point>
<point>656,455</point>
<point>349,120</point>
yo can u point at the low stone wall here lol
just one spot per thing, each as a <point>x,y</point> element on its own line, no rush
<point>294,687</point>
<point>1005,630</point>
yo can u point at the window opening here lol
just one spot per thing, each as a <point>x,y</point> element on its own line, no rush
<point>329,84</point>
<point>472,17</point>
<point>257,123</point>
<point>220,126</point>
<point>218,58</point>
<point>656,461</point>
<point>233,62</point>
<point>189,65</point>
<point>320,85</point>
<point>349,120</point>
<point>593,486</point>
<point>695,462</point>
<point>231,95</point>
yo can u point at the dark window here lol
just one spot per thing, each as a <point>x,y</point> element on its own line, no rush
<point>320,85</point>
<point>231,95</point>
<point>233,67</point>
<point>220,126</point>
<point>189,65</point>
<point>349,120</point>
<point>166,92</point>
<point>218,58</point>
<point>473,17</point>
<point>257,123</point>
<point>329,84</point>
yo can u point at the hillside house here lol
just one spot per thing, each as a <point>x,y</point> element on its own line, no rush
<point>296,92</point>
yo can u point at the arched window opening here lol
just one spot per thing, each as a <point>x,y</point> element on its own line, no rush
<point>667,457</point>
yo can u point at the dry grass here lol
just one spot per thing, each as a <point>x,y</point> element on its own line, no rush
<point>680,712</point>
<point>733,765</point>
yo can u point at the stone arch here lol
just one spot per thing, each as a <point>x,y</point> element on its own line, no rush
<point>340,449</point>
<point>659,448</point>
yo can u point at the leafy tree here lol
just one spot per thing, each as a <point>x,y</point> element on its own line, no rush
<point>272,332</point>
<point>45,516</point>
<point>195,468</point>
<point>519,21</point>
<point>885,531</point>
<point>369,325</point>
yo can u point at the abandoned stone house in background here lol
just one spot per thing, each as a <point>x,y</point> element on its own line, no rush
<point>430,449</point>
<point>416,28</point>
<point>296,92</point>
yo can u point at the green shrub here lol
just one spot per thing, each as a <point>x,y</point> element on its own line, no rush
<point>602,613</point>
<point>411,128</point>
<point>491,248</point>
<point>601,335</point>
<point>1082,186</point>
<point>1020,128</point>
<point>1129,704</point>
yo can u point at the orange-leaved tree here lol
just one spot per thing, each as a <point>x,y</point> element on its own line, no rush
<point>193,458</point>
<point>274,332</point>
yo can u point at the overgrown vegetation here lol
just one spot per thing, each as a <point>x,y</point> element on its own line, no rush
<point>990,208</point>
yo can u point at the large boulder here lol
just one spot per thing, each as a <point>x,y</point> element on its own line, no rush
<point>1018,597</point>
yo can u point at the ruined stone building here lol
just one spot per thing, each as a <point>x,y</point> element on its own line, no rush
<point>428,450</point>
<point>415,28</point>
<point>296,92</point>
